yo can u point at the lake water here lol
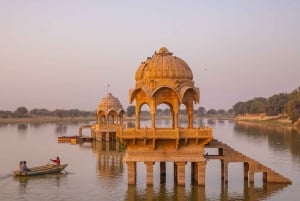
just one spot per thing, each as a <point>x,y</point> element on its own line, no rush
<point>96,172</point>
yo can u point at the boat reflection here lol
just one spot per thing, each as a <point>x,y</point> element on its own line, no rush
<point>54,179</point>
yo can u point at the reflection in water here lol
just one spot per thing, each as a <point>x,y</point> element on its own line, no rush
<point>22,128</point>
<point>211,121</point>
<point>279,138</point>
<point>109,158</point>
<point>111,171</point>
<point>61,128</point>
<point>110,166</point>
<point>24,182</point>
<point>198,193</point>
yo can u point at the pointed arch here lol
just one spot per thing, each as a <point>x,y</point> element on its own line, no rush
<point>195,91</point>
<point>156,91</point>
<point>145,91</point>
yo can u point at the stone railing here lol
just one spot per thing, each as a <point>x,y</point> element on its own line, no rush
<point>107,128</point>
<point>162,133</point>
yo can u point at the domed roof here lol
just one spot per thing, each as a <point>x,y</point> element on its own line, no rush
<point>109,103</point>
<point>163,65</point>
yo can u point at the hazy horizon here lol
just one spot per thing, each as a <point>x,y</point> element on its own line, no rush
<point>63,55</point>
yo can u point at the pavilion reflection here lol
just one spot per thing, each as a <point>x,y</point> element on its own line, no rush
<point>109,158</point>
<point>250,193</point>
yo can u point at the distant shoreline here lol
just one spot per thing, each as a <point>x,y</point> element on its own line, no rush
<point>45,120</point>
<point>268,120</point>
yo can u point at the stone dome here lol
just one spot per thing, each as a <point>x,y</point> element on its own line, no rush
<point>109,103</point>
<point>163,65</point>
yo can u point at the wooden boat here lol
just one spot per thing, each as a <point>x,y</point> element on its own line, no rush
<point>62,139</point>
<point>77,140</point>
<point>41,170</point>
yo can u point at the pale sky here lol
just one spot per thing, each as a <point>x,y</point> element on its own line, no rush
<point>62,54</point>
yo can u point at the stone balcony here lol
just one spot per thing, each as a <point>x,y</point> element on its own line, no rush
<point>197,135</point>
<point>164,133</point>
<point>107,128</point>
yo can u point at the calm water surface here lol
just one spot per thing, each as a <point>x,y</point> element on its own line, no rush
<point>96,170</point>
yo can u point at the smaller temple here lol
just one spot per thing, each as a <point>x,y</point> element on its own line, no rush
<point>109,118</point>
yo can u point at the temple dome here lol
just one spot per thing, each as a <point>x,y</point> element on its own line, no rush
<point>163,65</point>
<point>109,103</point>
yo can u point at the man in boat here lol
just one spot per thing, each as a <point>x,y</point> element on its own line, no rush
<point>56,161</point>
<point>21,165</point>
<point>25,168</point>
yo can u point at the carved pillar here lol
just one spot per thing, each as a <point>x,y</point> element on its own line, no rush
<point>137,116</point>
<point>149,169</point>
<point>180,173</point>
<point>173,119</point>
<point>121,119</point>
<point>153,120</point>
<point>131,170</point>
<point>190,116</point>
<point>152,112</point>
<point>162,172</point>
<point>201,167</point>
<point>176,119</point>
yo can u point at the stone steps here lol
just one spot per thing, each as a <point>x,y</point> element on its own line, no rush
<point>232,155</point>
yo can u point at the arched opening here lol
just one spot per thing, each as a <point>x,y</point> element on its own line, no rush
<point>145,116</point>
<point>101,119</point>
<point>110,119</point>
<point>163,117</point>
<point>183,116</point>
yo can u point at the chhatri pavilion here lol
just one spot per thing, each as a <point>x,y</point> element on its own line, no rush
<point>165,79</point>
<point>109,118</point>
<point>168,80</point>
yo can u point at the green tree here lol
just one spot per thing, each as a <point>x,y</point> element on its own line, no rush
<point>211,112</point>
<point>130,110</point>
<point>256,105</point>
<point>239,108</point>
<point>293,105</point>
<point>201,111</point>
<point>276,104</point>
<point>21,112</point>
<point>221,112</point>
<point>40,112</point>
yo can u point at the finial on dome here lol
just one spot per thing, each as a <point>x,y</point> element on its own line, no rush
<point>164,51</point>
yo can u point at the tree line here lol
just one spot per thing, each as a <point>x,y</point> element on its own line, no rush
<point>23,112</point>
<point>285,104</point>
